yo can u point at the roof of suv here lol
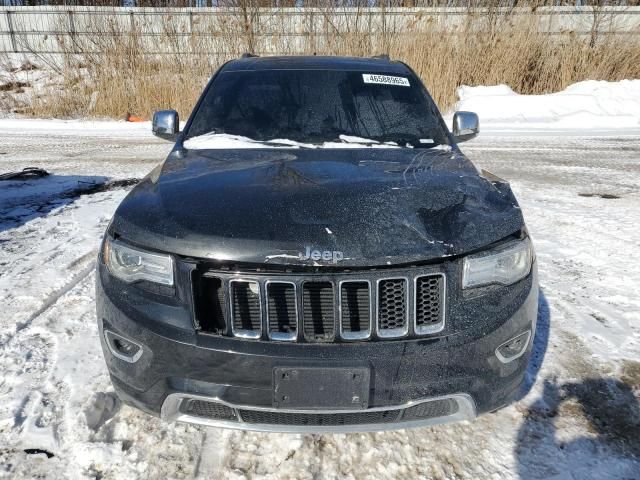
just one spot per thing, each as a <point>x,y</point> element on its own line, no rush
<point>316,63</point>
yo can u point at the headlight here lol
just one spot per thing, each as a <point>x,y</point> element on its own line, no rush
<point>132,264</point>
<point>504,265</point>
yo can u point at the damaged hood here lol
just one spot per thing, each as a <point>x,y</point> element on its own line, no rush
<point>355,207</point>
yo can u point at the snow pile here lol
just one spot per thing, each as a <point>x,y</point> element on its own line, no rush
<point>584,105</point>
<point>22,80</point>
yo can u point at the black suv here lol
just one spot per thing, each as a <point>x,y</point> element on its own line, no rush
<point>316,254</point>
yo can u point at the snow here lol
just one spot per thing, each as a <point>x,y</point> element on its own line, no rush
<point>588,105</point>
<point>579,418</point>
<point>23,79</point>
<point>71,128</point>
<point>224,140</point>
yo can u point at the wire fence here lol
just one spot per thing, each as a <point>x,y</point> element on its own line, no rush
<point>61,29</point>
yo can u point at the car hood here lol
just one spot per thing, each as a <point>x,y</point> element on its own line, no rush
<point>374,207</point>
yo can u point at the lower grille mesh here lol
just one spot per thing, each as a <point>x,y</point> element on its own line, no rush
<point>202,408</point>
<point>318,419</point>
<point>422,411</point>
<point>434,409</point>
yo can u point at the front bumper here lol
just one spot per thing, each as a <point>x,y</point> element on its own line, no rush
<point>179,366</point>
<point>426,412</point>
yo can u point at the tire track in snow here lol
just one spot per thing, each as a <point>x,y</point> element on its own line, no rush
<point>89,265</point>
<point>213,453</point>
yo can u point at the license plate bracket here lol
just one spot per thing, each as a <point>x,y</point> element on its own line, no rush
<point>321,388</point>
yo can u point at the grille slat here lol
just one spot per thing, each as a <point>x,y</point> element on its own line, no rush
<point>429,305</point>
<point>282,311</point>
<point>246,316</point>
<point>210,309</point>
<point>392,307</point>
<point>355,310</point>
<point>318,311</point>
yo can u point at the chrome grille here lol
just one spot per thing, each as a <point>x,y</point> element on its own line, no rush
<point>429,310</point>
<point>355,309</point>
<point>246,315</point>
<point>392,307</point>
<point>291,307</point>
<point>282,311</point>
<point>318,316</point>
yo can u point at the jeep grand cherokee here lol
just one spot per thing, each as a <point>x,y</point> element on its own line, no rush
<point>316,254</point>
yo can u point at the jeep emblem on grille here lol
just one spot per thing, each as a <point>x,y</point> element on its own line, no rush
<point>328,256</point>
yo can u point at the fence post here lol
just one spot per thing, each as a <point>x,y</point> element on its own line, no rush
<point>12,33</point>
<point>72,31</point>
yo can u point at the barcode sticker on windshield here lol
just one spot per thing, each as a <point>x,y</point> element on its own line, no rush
<point>385,79</point>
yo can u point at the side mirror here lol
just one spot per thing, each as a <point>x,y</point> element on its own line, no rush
<point>166,124</point>
<point>466,126</point>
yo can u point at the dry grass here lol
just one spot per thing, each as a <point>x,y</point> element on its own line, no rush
<point>109,75</point>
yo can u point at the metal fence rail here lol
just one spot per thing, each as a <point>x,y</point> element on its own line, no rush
<point>57,29</point>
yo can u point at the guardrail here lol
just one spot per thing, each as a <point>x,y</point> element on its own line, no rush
<point>59,29</point>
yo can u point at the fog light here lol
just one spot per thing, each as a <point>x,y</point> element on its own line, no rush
<point>122,348</point>
<point>514,348</point>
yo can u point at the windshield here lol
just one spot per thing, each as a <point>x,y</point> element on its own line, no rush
<point>316,106</point>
